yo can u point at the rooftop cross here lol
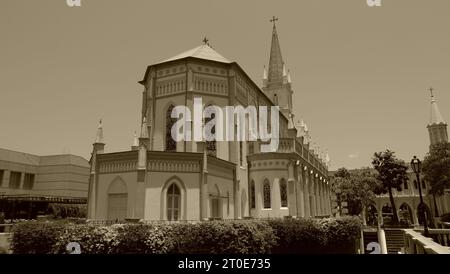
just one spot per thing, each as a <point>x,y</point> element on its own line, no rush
<point>205,41</point>
<point>273,20</point>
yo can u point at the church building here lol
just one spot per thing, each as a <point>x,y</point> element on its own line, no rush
<point>162,179</point>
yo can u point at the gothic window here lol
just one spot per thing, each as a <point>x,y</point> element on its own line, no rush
<point>171,145</point>
<point>211,145</point>
<point>266,194</point>
<point>252,195</point>
<point>283,193</point>
<point>173,203</point>
<point>405,185</point>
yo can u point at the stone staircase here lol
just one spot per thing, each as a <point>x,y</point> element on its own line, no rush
<point>394,240</point>
<point>369,236</point>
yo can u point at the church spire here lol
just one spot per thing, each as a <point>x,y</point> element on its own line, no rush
<point>99,137</point>
<point>436,117</point>
<point>276,64</point>
<point>437,128</point>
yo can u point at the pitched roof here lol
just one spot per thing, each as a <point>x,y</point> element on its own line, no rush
<point>203,52</point>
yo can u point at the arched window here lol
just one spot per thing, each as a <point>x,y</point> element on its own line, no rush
<point>266,194</point>
<point>211,145</point>
<point>171,145</point>
<point>405,185</point>
<point>283,193</point>
<point>252,195</point>
<point>173,203</point>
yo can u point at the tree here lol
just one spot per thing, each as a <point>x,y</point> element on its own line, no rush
<point>391,173</point>
<point>357,188</point>
<point>436,170</point>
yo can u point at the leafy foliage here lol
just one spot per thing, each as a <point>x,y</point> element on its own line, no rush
<point>310,236</point>
<point>436,168</point>
<point>213,237</point>
<point>357,188</point>
<point>392,174</point>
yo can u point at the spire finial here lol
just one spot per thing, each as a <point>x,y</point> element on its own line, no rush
<point>99,136</point>
<point>273,20</point>
<point>205,41</point>
<point>431,91</point>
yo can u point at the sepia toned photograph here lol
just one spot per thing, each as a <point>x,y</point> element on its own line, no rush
<point>237,131</point>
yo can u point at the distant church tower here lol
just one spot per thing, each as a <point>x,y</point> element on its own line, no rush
<point>277,83</point>
<point>437,128</point>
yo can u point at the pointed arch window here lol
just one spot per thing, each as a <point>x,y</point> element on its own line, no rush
<point>266,194</point>
<point>283,193</point>
<point>171,145</point>
<point>173,203</point>
<point>252,195</point>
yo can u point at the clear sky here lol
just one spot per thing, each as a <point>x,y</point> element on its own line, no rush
<point>360,75</point>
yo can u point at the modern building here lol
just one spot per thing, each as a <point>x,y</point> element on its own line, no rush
<point>164,179</point>
<point>28,183</point>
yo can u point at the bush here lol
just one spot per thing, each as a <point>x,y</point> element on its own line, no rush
<point>218,237</point>
<point>316,236</point>
<point>33,237</point>
<point>67,210</point>
<point>213,237</point>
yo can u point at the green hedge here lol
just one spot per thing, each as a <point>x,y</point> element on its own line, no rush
<point>212,237</point>
<point>311,236</point>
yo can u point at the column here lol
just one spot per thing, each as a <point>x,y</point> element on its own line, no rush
<point>313,207</point>
<point>291,190</point>
<point>300,197</point>
<point>306,186</point>
<point>237,204</point>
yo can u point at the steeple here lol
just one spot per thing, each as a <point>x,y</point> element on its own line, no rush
<point>276,64</point>
<point>278,82</point>
<point>437,128</point>
<point>99,145</point>
<point>435,117</point>
<point>99,137</point>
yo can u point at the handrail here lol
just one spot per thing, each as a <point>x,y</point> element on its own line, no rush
<point>416,243</point>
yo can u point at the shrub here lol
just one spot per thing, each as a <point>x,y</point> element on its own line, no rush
<point>143,239</point>
<point>33,237</point>
<point>213,237</point>
<point>218,237</point>
<point>316,236</point>
<point>67,210</point>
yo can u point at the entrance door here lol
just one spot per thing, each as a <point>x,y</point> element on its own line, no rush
<point>117,206</point>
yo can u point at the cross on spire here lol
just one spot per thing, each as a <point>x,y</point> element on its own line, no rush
<point>273,20</point>
<point>205,41</point>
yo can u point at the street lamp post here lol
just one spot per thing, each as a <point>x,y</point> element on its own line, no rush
<point>416,166</point>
